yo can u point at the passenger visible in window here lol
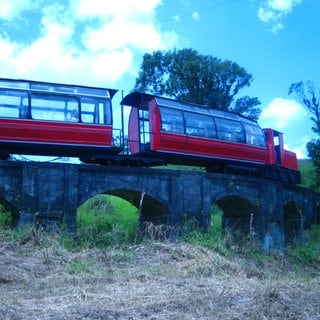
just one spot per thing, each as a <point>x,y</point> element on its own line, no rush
<point>74,115</point>
<point>176,127</point>
<point>23,112</point>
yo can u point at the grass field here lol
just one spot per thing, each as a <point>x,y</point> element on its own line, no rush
<point>42,279</point>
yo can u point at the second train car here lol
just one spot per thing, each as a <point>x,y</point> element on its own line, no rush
<point>190,134</point>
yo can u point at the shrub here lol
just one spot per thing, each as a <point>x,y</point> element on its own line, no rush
<point>5,217</point>
<point>308,173</point>
<point>309,252</point>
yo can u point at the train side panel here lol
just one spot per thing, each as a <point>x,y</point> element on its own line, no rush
<point>227,150</point>
<point>182,144</point>
<point>289,160</point>
<point>49,132</point>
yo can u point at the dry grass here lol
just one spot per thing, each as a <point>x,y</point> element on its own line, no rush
<point>150,281</point>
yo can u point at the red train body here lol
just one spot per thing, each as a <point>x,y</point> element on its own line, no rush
<point>185,133</point>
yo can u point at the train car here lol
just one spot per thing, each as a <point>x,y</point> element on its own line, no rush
<point>189,134</point>
<point>40,118</point>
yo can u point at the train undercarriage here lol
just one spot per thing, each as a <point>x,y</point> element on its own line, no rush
<point>152,159</point>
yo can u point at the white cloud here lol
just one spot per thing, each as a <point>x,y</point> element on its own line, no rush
<point>11,9</point>
<point>121,9</point>
<point>277,27</point>
<point>89,42</point>
<point>281,113</point>
<point>291,118</point>
<point>300,147</point>
<point>272,11</point>
<point>7,49</point>
<point>118,35</point>
<point>196,15</point>
<point>266,15</point>
<point>284,6</point>
<point>176,18</point>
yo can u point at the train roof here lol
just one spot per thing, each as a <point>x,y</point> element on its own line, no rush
<point>140,99</point>
<point>41,86</point>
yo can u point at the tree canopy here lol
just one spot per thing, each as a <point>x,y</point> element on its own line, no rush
<point>306,93</point>
<point>203,79</point>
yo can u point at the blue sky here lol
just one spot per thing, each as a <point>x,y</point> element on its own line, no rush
<point>101,43</point>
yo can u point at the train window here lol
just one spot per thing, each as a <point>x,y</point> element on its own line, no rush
<point>200,125</point>
<point>254,135</point>
<point>144,131</point>
<point>95,111</point>
<point>54,108</point>
<point>13,104</point>
<point>143,114</point>
<point>230,130</point>
<point>171,120</point>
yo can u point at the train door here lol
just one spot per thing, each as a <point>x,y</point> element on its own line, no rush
<point>275,146</point>
<point>139,131</point>
<point>144,129</point>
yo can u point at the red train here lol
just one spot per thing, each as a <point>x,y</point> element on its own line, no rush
<point>41,118</point>
<point>185,133</point>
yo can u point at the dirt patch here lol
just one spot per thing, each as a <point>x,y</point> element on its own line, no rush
<point>154,281</point>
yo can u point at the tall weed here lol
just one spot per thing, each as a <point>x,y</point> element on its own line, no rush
<point>309,252</point>
<point>214,238</point>
<point>5,217</point>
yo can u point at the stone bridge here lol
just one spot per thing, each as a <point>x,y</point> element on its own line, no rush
<point>274,212</point>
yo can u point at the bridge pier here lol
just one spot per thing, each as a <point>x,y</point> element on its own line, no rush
<point>50,194</point>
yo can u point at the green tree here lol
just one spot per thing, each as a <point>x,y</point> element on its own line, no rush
<point>313,148</point>
<point>203,79</point>
<point>306,93</point>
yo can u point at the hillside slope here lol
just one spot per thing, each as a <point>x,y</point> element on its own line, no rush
<point>151,281</point>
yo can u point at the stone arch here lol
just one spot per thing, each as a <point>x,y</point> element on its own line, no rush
<point>151,209</point>
<point>153,215</point>
<point>240,215</point>
<point>292,221</point>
